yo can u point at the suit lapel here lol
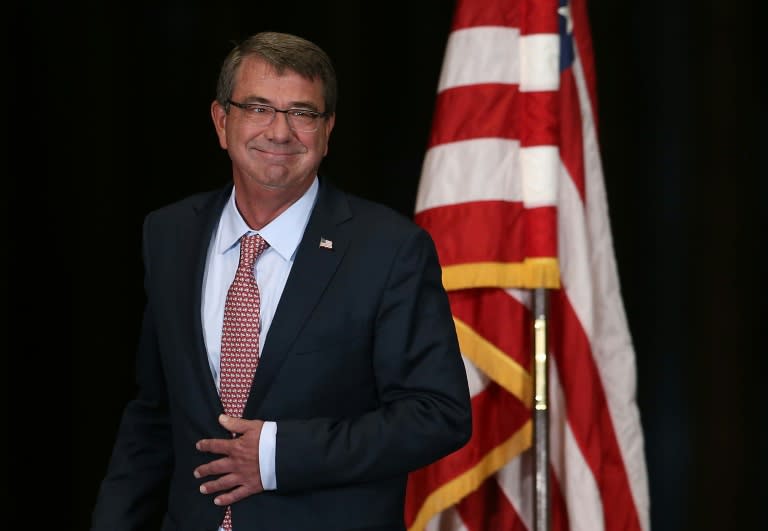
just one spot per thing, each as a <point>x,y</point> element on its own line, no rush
<point>207,215</point>
<point>312,269</point>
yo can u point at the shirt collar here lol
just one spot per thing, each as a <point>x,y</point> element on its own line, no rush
<point>282,233</point>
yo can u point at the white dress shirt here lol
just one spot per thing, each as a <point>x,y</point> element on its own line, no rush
<point>283,235</point>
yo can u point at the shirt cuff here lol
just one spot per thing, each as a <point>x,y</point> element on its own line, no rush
<point>267,455</point>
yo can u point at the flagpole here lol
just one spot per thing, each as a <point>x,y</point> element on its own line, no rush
<point>541,520</point>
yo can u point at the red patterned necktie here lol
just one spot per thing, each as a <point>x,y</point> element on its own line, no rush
<point>240,335</point>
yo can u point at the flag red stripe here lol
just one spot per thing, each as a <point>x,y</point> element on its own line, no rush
<point>482,309</point>
<point>537,115</point>
<point>540,17</point>
<point>529,232</point>
<point>571,138</point>
<point>533,16</point>
<point>495,110</point>
<point>488,508</point>
<point>557,506</point>
<point>583,41</point>
<point>588,414</point>
<point>475,111</point>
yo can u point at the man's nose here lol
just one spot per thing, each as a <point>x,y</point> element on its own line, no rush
<point>279,129</point>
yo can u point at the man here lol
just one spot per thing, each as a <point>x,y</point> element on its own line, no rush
<point>297,393</point>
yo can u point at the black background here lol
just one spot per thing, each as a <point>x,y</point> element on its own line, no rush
<point>108,117</point>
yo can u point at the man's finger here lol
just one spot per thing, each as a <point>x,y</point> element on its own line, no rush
<point>235,424</point>
<point>226,482</point>
<point>233,496</point>
<point>215,446</point>
<point>217,467</point>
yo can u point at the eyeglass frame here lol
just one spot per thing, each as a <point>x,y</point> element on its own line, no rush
<point>249,106</point>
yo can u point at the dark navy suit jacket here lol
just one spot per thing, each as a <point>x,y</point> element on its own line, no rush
<point>361,371</point>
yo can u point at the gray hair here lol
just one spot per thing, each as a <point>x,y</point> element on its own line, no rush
<point>284,52</point>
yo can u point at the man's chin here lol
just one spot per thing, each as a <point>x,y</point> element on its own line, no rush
<point>278,179</point>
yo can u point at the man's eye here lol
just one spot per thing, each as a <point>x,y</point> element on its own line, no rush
<point>259,109</point>
<point>301,113</point>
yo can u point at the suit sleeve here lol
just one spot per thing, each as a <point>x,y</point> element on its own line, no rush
<point>134,489</point>
<point>424,411</point>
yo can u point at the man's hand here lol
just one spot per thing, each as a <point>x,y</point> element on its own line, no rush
<point>239,468</point>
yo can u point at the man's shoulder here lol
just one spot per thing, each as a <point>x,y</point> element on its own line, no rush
<point>378,230</point>
<point>375,210</point>
<point>372,213</point>
<point>193,203</point>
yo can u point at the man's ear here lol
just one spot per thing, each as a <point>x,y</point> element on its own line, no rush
<point>329,123</point>
<point>219,116</point>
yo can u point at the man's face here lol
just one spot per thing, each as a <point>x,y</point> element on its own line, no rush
<point>273,156</point>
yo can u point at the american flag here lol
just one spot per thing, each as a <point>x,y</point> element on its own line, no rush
<point>512,192</point>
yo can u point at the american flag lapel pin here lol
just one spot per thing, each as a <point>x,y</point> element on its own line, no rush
<point>326,244</point>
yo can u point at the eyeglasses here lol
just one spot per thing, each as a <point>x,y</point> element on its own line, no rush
<point>302,120</point>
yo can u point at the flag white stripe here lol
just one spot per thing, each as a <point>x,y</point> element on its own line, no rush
<point>523,296</point>
<point>578,486</point>
<point>539,62</point>
<point>539,165</point>
<point>448,520</point>
<point>471,170</point>
<point>488,169</point>
<point>497,54</point>
<point>515,481</point>
<point>476,378</point>
<point>574,252</point>
<point>487,54</point>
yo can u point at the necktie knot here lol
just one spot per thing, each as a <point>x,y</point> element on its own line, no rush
<point>251,247</point>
